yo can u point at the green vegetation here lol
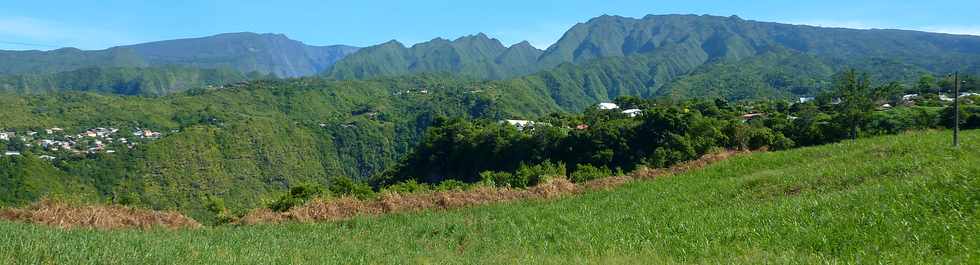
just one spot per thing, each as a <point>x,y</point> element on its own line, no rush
<point>895,199</point>
<point>244,143</point>
<point>126,81</point>
<point>247,144</point>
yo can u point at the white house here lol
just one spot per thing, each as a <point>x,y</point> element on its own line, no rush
<point>11,153</point>
<point>909,97</point>
<point>520,124</point>
<point>633,113</point>
<point>807,99</point>
<point>969,94</point>
<point>608,106</point>
<point>47,157</point>
<point>944,97</point>
<point>6,136</point>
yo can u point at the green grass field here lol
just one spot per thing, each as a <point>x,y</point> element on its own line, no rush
<point>897,199</point>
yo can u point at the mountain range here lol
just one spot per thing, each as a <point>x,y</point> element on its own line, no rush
<point>671,55</point>
<point>605,57</point>
<point>245,52</point>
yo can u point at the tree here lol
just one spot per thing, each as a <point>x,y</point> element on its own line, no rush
<point>927,84</point>
<point>856,97</point>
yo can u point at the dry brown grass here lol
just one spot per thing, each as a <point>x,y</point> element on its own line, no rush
<point>63,215</point>
<point>345,208</point>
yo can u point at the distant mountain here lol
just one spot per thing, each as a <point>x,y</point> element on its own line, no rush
<point>475,56</point>
<point>245,52</point>
<point>610,56</point>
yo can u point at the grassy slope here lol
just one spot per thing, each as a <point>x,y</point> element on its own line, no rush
<point>895,199</point>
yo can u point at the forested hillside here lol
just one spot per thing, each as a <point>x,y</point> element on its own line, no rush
<point>153,81</point>
<point>241,143</point>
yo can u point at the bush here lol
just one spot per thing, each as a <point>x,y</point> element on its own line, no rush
<point>496,179</point>
<point>410,186</point>
<point>533,175</point>
<point>349,187</point>
<point>586,172</point>
<point>452,184</point>
<point>298,195</point>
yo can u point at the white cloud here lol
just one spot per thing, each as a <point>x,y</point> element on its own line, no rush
<point>32,33</point>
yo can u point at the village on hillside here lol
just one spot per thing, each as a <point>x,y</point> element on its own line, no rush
<point>53,143</point>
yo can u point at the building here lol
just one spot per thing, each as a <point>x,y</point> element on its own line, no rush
<point>11,153</point>
<point>750,116</point>
<point>633,113</point>
<point>582,127</point>
<point>607,106</point>
<point>909,97</point>
<point>6,136</point>
<point>807,99</point>
<point>520,124</point>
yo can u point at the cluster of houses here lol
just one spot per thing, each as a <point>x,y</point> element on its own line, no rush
<point>411,91</point>
<point>632,113</point>
<point>91,141</point>
<point>605,106</point>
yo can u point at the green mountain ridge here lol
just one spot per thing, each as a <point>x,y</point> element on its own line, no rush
<point>475,56</point>
<point>612,56</point>
<point>245,52</point>
<point>152,81</point>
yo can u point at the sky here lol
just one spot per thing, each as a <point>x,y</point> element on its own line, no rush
<point>51,24</point>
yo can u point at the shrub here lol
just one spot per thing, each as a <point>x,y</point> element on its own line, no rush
<point>350,187</point>
<point>536,174</point>
<point>586,172</point>
<point>451,184</point>
<point>496,179</point>
<point>298,195</point>
<point>410,186</point>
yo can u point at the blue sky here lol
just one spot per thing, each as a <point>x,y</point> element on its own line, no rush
<point>46,25</point>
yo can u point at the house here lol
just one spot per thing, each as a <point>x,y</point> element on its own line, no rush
<point>750,116</point>
<point>520,124</point>
<point>944,97</point>
<point>11,153</point>
<point>807,99</point>
<point>965,94</point>
<point>909,97</point>
<point>582,127</point>
<point>54,130</point>
<point>633,113</point>
<point>145,133</point>
<point>607,106</point>
<point>6,136</point>
<point>47,157</point>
